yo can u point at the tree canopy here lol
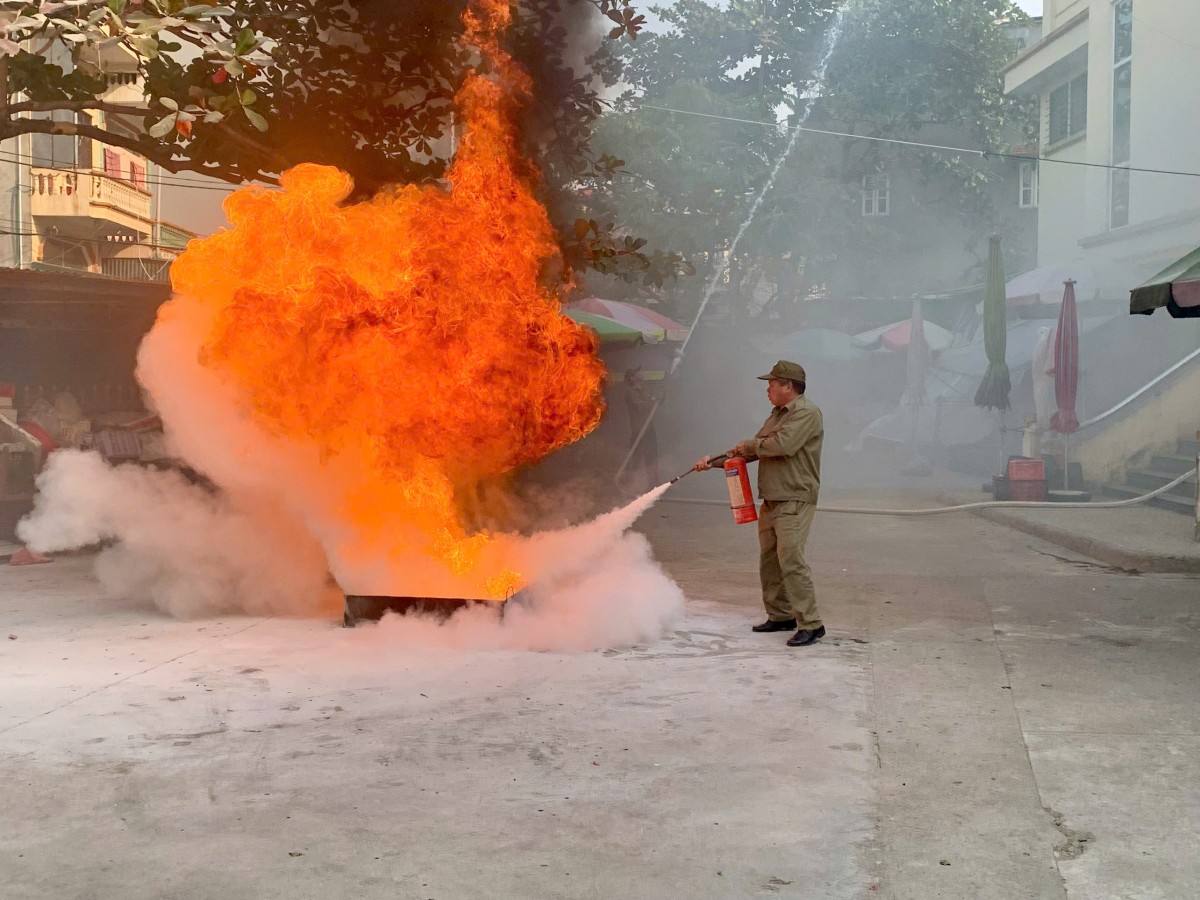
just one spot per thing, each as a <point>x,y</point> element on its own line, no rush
<point>739,74</point>
<point>243,91</point>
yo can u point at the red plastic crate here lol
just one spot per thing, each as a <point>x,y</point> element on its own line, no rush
<point>1026,470</point>
<point>1027,491</point>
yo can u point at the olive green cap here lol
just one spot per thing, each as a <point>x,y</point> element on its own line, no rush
<point>786,371</point>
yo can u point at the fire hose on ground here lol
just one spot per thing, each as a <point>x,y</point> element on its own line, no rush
<point>739,497</point>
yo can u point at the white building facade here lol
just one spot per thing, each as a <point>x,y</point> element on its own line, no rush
<point>1117,84</point>
<point>76,205</point>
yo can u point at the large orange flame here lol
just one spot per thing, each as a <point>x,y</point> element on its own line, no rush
<point>414,331</point>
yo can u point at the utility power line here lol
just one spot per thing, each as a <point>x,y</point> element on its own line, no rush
<point>175,181</point>
<point>940,148</point>
<point>77,241</point>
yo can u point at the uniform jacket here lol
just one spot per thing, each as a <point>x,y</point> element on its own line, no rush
<point>788,450</point>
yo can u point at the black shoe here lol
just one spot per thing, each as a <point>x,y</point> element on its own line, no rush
<point>806,636</point>
<point>773,625</point>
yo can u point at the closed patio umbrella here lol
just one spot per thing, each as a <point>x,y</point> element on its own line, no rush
<point>915,371</point>
<point>1066,374</point>
<point>994,388</point>
<point>917,362</point>
<point>1066,364</point>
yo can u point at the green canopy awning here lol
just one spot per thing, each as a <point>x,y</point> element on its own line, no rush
<point>610,331</point>
<point>1177,287</point>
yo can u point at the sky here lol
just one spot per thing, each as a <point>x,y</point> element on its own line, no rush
<point>200,210</point>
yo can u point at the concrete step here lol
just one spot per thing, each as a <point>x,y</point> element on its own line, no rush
<point>1177,464</point>
<point>1149,479</point>
<point>1171,501</point>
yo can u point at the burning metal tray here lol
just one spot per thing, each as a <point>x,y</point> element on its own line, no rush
<point>370,608</point>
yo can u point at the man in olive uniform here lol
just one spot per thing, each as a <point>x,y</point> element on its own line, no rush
<point>788,450</point>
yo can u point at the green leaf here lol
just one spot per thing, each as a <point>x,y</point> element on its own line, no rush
<point>255,119</point>
<point>162,126</point>
<point>168,103</point>
<point>247,97</point>
<point>146,46</point>
<point>246,41</point>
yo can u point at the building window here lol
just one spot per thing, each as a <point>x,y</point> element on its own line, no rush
<point>1122,95</point>
<point>137,174</point>
<point>1029,185</point>
<point>112,163</point>
<point>875,194</point>
<point>1068,110</point>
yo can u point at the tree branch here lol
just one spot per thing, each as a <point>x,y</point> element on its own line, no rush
<point>183,35</point>
<point>162,155</point>
<point>79,105</point>
<point>269,154</point>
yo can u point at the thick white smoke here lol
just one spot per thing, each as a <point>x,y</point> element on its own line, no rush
<point>193,552</point>
<point>271,540</point>
<point>591,586</point>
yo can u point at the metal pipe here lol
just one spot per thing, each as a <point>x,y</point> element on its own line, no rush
<point>1196,534</point>
<point>1146,387</point>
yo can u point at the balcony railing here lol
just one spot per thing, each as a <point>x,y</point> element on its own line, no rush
<point>137,269</point>
<point>57,192</point>
<point>54,182</point>
<point>121,196</point>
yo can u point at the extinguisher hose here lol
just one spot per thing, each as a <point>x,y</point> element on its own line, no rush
<point>713,461</point>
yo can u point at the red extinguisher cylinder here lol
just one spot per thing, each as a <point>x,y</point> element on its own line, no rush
<point>741,497</point>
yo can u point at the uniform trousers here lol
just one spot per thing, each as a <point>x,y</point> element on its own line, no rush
<point>787,586</point>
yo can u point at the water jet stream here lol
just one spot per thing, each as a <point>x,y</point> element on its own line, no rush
<point>831,42</point>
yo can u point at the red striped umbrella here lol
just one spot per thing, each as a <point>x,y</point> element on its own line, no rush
<point>654,326</point>
<point>1066,364</point>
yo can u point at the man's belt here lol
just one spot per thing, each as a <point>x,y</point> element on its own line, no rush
<point>802,496</point>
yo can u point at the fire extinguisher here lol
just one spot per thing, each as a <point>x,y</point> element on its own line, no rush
<point>741,498</point>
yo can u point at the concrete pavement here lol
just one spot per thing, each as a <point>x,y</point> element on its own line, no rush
<point>990,717</point>
<point>1137,538</point>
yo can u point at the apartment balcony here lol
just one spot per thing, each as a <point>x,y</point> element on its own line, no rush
<point>137,268</point>
<point>85,203</point>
